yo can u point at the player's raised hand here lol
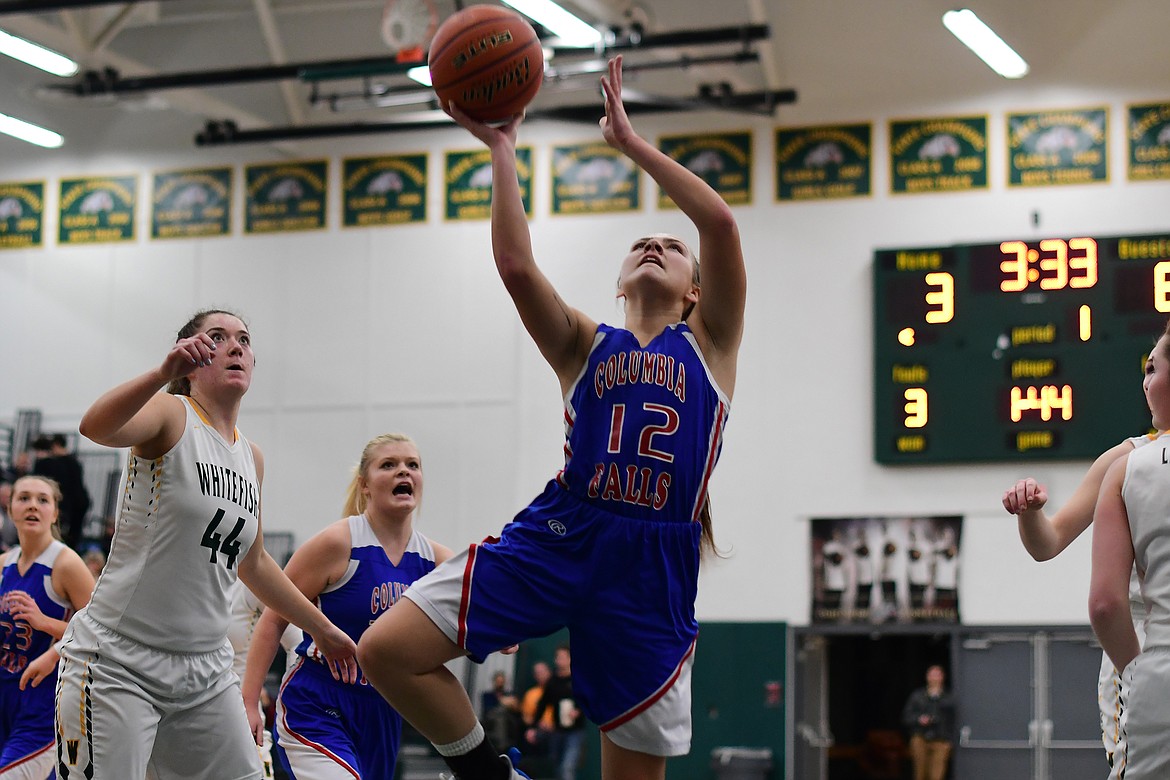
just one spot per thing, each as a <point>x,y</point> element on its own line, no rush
<point>1027,494</point>
<point>187,355</point>
<point>490,134</point>
<point>615,125</point>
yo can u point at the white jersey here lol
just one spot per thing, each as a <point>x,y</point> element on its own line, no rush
<point>185,522</point>
<point>1137,607</point>
<point>1146,491</point>
<point>246,611</point>
<point>834,553</point>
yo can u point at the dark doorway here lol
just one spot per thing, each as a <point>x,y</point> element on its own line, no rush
<point>870,676</point>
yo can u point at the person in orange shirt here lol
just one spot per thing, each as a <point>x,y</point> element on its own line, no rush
<point>537,725</point>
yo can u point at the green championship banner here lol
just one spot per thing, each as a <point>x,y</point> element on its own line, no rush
<point>946,154</point>
<point>191,203</point>
<point>818,163</point>
<point>97,209</point>
<point>284,197</point>
<point>1058,147</point>
<point>387,190</point>
<point>22,214</point>
<point>723,160</point>
<point>593,178</point>
<point>467,179</point>
<point>1149,142</point>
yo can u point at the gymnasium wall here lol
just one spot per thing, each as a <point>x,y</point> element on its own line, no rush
<point>361,331</point>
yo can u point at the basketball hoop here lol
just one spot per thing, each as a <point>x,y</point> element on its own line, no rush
<point>407,27</point>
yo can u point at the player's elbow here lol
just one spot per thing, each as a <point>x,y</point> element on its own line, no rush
<point>720,223</point>
<point>1041,554</point>
<point>1104,605</point>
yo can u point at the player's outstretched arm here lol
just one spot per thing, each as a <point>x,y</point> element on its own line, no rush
<point>724,278</point>
<point>562,333</point>
<point>135,414</point>
<point>265,579</point>
<point>1045,536</point>
<point>1112,561</point>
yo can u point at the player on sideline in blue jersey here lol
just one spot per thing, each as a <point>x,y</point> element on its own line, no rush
<point>42,583</point>
<point>354,569</point>
<point>611,548</point>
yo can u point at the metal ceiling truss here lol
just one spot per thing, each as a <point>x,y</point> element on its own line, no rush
<point>567,65</point>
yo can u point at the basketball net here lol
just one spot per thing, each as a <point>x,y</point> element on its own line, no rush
<point>407,27</point>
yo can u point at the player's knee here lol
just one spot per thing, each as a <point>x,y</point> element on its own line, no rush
<point>371,653</point>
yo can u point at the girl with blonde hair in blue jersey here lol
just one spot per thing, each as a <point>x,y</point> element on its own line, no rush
<point>42,583</point>
<point>354,569</point>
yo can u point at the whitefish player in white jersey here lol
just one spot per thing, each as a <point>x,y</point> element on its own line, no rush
<point>1045,537</point>
<point>146,674</point>
<point>1131,529</point>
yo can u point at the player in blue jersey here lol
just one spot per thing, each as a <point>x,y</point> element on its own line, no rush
<point>611,549</point>
<point>42,584</point>
<point>355,569</point>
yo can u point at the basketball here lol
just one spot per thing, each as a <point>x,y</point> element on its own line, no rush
<point>488,61</point>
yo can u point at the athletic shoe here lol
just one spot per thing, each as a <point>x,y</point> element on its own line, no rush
<point>514,760</point>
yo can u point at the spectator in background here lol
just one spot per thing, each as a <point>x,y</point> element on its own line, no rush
<point>568,735</point>
<point>54,460</point>
<point>95,561</point>
<point>929,716</point>
<point>538,722</point>
<point>501,713</point>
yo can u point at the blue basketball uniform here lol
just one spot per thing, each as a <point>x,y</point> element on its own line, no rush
<point>328,728</point>
<point>26,717</point>
<point>611,547</point>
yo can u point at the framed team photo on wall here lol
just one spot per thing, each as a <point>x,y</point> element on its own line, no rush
<point>877,570</point>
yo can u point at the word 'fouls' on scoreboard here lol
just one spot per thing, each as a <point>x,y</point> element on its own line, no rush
<point>1022,349</point>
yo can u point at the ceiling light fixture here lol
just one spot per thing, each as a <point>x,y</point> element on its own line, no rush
<point>36,55</point>
<point>421,74</point>
<point>26,131</point>
<point>982,40</point>
<point>571,30</point>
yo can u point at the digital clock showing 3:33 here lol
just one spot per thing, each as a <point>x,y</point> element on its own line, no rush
<point>1022,349</point>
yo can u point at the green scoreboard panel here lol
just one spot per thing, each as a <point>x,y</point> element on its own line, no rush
<point>1023,349</point>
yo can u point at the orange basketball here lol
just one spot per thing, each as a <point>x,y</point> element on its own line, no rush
<point>488,61</point>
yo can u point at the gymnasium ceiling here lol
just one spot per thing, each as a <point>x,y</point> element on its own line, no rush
<point>845,59</point>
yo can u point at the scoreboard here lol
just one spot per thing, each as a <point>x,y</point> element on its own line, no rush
<point>1015,350</point>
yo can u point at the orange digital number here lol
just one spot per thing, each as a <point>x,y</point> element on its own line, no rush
<point>1017,268</point>
<point>943,297</point>
<point>1162,286</point>
<point>916,407</point>
<point>1058,263</point>
<point>1042,399</point>
<point>1086,262</point>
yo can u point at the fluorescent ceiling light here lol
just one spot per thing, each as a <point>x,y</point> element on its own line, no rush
<point>36,55</point>
<point>25,131</point>
<point>421,74</point>
<point>982,40</point>
<point>571,30</point>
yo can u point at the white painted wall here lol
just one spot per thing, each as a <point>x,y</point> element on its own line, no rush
<point>361,331</point>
